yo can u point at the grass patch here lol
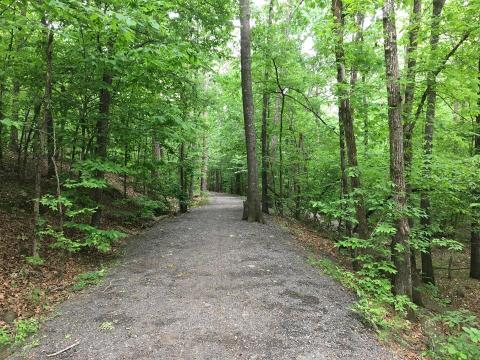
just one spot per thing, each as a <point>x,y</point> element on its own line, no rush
<point>90,278</point>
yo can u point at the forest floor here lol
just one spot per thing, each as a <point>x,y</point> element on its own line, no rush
<point>29,291</point>
<point>207,285</point>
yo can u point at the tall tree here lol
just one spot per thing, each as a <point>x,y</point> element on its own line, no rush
<point>265,106</point>
<point>427,263</point>
<point>253,211</point>
<point>346,117</point>
<point>409,94</point>
<point>475,233</point>
<point>400,245</point>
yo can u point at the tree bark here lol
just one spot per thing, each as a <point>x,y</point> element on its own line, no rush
<point>400,246</point>
<point>204,170</point>
<point>409,95</point>
<point>47,102</point>
<point>218,181</point>
<point>253,201</point>
<point>409,124</point>
<point>182,199</point>
<point>157,152</point>
<point>426,255</point>
<point>265,106</point>
<point>2,116</point>
<point>346,117</point>
<point>41,151</point>
<point>102,140</point>
<point>475,233</point>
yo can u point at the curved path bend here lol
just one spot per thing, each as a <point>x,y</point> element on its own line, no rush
<point>207,285</point>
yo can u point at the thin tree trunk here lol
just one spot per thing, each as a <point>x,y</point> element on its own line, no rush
<point>47,101</point>
<point>15,111</point>
<point>409,124</point>
<point>37,196</point>
<point>408,121</point>
<point>125,175</point>
<point>2,116</point>
<point>265,106</point>
<point>346,116</point>
<point>253,211</point>
<point>182,199</point>
<point>204,170</point>
<point>41,152</point>
<point>280,158</point>
<point>218,181</point>
<point>47,107</point>
<point>426,255</point>
<point>344,190</point>
<point>22,140</point>
<point>156,153</point>
<point>400,247</point>
<point>475,233</point>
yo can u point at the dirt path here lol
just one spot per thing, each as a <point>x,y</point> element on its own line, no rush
<point>207,285</point>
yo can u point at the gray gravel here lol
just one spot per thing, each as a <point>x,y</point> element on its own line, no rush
<point>207,285</point>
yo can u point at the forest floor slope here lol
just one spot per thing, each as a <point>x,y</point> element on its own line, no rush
<point>207,285</point>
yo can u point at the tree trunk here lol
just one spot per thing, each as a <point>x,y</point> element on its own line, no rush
<point>409,124</point>
<point>346,116</point>
<point>2,116</point>
<point>102,141</point>
<point>427,264</point>
<point>204,170</point>
<point>475,233</point>
<point>400,246</point>
<point>15,110</point>
<point>46,141</point>
<point>408,121</point>
<point>280,158</point>
<point>182,199</point>
<point>265,104</point>
<point>218,181</point>
<point>41,151</point>
<point>157,153</point>
<point>238,183</point>
<point>344,190</point>
<point>253,201</point>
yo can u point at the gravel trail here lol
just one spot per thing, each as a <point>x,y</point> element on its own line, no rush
<point>207,285</point>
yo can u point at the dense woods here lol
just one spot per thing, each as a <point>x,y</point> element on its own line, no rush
<point>359,118</point>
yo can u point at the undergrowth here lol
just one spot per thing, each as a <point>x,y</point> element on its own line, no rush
<point>21,330</point>
<point>89,279</point>
<point>450,334</point>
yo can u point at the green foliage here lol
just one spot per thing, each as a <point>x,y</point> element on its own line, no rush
<point>89,279</point>
<point>141,208</point>
<point>4,337</point>
<point>462,341</point>
<point>99,239</point>
<point>456,319</point>
<point>35,260</point>
<point>107,326</point>
<point>24,329</point>
<point>375,303</point>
